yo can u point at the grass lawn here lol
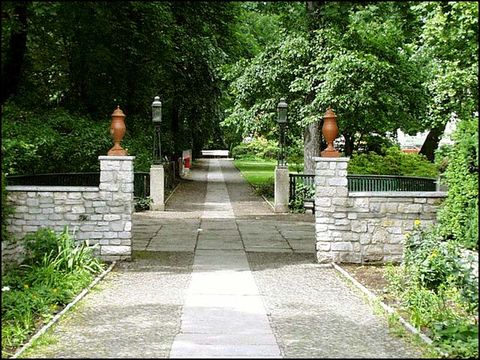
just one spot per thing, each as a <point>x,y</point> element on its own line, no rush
<point>256,171</point>
<point>260,174</point>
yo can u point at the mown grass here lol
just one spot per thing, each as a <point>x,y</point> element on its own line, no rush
<point>259,173</point>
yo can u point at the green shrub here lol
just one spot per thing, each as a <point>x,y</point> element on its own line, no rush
<point>438,290</point>
<point>52,141</point>
<point>7,210</point>
<point>55,271</point>
<point>257,148</point>
<point>394,162</point>
<point>302,191</point>
<point>143,203</point>
<point>266,188</point>
<point>459,214</point>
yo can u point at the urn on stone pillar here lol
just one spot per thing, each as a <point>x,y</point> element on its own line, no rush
<point>117,130</point>
<point>330,133</point>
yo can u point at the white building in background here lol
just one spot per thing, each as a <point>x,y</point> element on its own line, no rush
<point>412,142</point>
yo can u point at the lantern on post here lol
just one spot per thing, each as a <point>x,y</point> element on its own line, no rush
<point>282,122</point>
<point>157,122</point>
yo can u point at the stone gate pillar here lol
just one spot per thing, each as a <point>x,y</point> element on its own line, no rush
<point>116,190</point>
<point>157,187</point>
<point>331,216</point>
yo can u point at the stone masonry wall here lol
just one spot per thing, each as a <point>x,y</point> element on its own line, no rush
<point>364,227</point>
<point>102,214</point>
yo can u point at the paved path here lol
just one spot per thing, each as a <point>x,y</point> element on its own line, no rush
<point>219,275</point>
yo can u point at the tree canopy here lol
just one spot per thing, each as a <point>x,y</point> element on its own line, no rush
<point>220,69</point>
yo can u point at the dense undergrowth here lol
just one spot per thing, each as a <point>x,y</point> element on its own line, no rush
<point>53,272</point>
<point>436,288</point>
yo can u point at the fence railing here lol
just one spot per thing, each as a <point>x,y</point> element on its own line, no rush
<point>296,179</point>
<point>390,183</point>
<point>141,181</point>
<point>365,183</point>
<point>56,179</point>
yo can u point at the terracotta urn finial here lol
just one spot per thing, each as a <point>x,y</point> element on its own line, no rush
<point>330,133</point>
<point>117,131</point>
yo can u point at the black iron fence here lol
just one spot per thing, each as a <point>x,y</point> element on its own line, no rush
<point>299,185</point>
<point>364,183</point>
<point>56,179</point>
<point>390,183</point>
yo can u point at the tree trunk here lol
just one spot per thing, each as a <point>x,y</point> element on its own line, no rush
<point>311,147</point>
<point>349,143</point>
<point>431,142</point>
<point>14,57</point>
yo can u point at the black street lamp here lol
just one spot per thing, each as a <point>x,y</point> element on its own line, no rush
<point>157,122</point>
<point>282,122</point>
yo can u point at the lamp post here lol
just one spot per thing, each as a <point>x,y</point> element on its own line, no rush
<point>157,122</point>
<point>282,122</point>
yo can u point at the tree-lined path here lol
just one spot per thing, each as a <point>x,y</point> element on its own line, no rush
<point>219,275</point>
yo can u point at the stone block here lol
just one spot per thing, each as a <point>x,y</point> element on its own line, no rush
<point>393,249</point>
<point>419,200</point>
<point>365,239</point>
<point>110,235</point>
<point>342,191</point>
<point>375,207</point>
<point>352,215</point>
<point>361,205</point>
<point>342,222</point>
<point>109,165</point>
<point>323,201</point>
<point>410,208</point>
<point>349,258</point>
<point>112,187</point>
<point>341,246</point>
<point>116,225</point>
<point>34,210</point>
<point>111,217</point>
<point>323,236</point>
<point>394,230</point>
<point>321,227</point>
<point>125,235</point>
<point>324,257</point>
<point>91,195</point>
<point>322,245</point>
<point>108,176</point>
<point>339,215</point>
<point>323,220</point>
<point>78,209</point>
<point>338,181</point>
<point>115,250</point>
<point>59,195</point>
<point>359,226</point>
<point>324,192</point>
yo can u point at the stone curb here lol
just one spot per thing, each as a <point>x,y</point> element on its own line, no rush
<point>384,306</point>
<point>268,202</point>
<point>171,194</point>
<point>61,313</point>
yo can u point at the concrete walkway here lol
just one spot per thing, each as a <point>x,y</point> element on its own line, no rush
<point>219,275</point>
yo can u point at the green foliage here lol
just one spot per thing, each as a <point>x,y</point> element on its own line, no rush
<point>143,203</point>
<point>357,69</point>
<point>7,210</point>
<point>459,214</point>
<point>437,288</point>
<point>256,148</point>
<point>55,271</point>
<point>302,191</point>
<point>54,141</point>
<point>394,162</point>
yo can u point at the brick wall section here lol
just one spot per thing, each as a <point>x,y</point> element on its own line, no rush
<point>102,214</point>
<point>364,227</point>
